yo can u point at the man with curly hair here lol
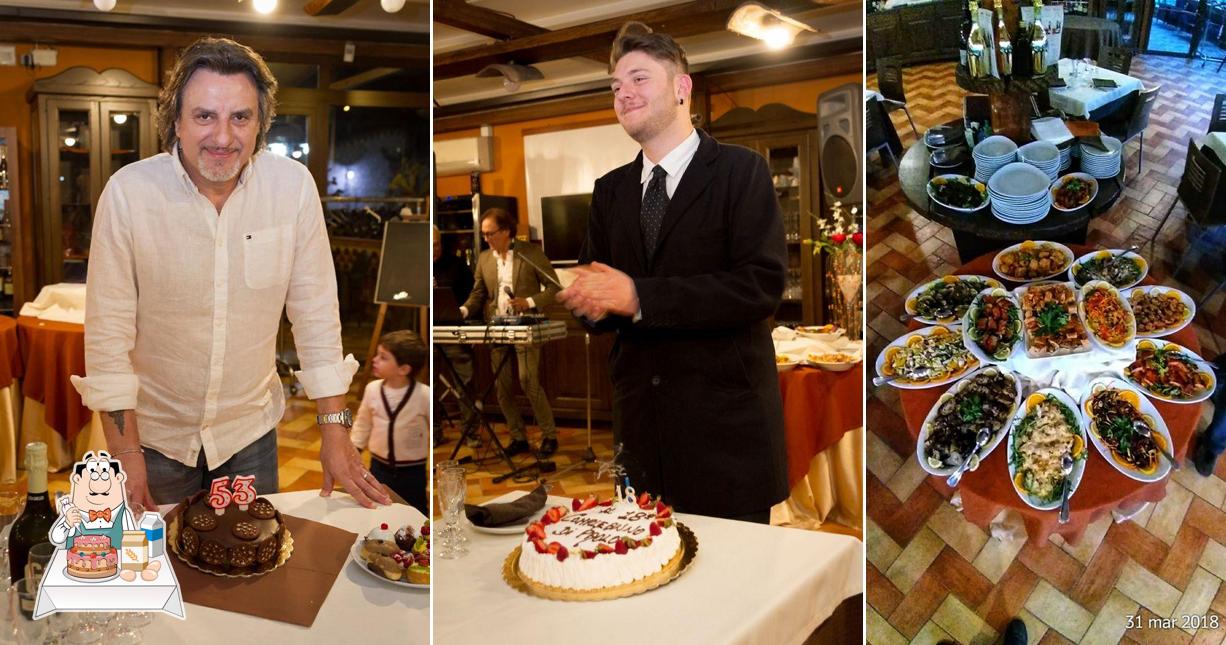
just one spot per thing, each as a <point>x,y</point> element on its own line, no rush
<point>195,253</point>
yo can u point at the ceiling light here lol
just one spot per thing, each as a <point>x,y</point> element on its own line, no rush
<point>763,23</point>
<point>119,119</point>
<point>70,142</point>
<point>513,76</point>
<point>346,108</point>
<point>391,6</point>
<point>264,6</point>
<point>104,5</point>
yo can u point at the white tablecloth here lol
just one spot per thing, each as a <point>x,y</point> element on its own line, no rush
<point>358,609</point>
<point>749,583</point>
<point>1081,100</point>
<point>1216,141</point>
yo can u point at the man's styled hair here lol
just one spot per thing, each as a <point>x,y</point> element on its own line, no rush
<point>225,57</point>
<point>406,347</point>
<point>638,37</point>
<point>502,218</point>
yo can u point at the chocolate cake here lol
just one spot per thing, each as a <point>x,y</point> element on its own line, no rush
<point>237,542</point>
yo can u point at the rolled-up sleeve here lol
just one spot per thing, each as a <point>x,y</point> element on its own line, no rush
<point>312,306</point>
<point>110,310</point>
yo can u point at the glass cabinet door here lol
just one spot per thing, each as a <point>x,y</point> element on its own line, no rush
<point>72,142</point>
<point>784,160</point>
<point>128,126</point>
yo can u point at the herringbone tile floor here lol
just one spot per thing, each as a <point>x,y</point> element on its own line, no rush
<point>931,574</point>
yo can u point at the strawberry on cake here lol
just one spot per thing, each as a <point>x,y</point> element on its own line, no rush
<point>601,545</point>
<point>92,556</point>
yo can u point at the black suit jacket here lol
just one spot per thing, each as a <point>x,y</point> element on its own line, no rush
<point>696,402</point>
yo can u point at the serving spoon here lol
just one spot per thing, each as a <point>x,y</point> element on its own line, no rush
<point>1066,466</point>
<point>1144,430</point>
<point>980,440</point>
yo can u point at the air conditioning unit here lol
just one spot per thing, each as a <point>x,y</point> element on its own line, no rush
<point>464,156</point>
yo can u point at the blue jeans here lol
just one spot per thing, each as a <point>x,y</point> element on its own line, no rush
<point>1214,437</point>
<point>171,482</point>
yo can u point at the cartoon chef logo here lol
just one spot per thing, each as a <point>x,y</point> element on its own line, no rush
<point>97,504</point>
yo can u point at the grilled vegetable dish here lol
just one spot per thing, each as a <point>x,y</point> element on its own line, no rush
<point>925,359</point>
<point>1120,270</point>
<point>948,298</point>
<point>1108,318</point>
<point>959,193</point>
<point>996,325</point>
<point>1049,316</point>
<point>1040,440</point>
<point>1073,193</point>
<point>986,400</point>
<point>1033,261</point>
<point>1158,311</point>
<point>1167,372</point>
<point>1114,417</point>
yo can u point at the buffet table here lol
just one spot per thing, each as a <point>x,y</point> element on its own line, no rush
<point>988,490</point>
<point>749,583</point>
<point>381,612</point>
<point>824,426</point>
<point>979,232</point>
<point>11,369</point>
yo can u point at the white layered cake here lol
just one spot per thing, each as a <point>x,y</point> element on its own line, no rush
<point>600,545</point>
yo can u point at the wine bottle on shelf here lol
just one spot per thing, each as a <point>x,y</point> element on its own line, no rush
<point>1004,46</point>
<point>964,34</point>
<point>1038,42</point>
<point>4,167</point>
<point>976,46</point>
<point>1021,50</point>
<point>33,526</point>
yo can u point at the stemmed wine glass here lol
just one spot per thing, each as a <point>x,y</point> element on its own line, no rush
<point>451,491</point>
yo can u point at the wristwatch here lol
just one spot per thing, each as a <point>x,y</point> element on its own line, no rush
<point>344,418</point>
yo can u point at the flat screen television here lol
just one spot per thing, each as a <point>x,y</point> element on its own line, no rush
<point>564,226</point>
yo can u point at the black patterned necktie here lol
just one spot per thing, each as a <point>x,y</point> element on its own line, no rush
<point>655,202</point>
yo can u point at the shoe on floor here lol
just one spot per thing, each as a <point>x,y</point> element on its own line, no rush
<point>548,447</point>
<point>1015,632</point>
<point>1204,460</point>
<point>517,446</point>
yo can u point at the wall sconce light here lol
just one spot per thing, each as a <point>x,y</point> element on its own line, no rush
<point>763,23</point>
<point>264,6</point>
<point>391,6</point>
<point>104,5</point>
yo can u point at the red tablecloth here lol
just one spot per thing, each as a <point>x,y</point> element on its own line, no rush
<point>11,364</point>
<point>819,407</point>
<point>988,490</point>
<point>51,352</point>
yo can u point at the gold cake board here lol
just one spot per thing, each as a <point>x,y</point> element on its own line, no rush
<point>669,572</point>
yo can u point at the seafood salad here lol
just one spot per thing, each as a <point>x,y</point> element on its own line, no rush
<point>1115,414</point>
<point>1040,441</point>
<point>935,357</point>
<point>948,298</point>
<point>1158,311</point>
<point>1167,371</point>
<point>986,400</point>
<point>1119,270</point>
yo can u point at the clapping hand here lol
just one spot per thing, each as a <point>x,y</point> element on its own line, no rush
<point>599,290</point>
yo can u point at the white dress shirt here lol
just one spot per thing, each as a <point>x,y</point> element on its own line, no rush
<point>674,163</point>
<point>412,432</point>
<point>183,304</point>
<point>506,268</point>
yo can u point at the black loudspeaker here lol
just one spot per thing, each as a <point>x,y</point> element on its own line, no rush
<point>840,124</point>
<point>404,274</point>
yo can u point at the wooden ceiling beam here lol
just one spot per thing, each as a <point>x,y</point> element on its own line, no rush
<point>327,7</point>
<point>479,20</point>
<point>362,78</point>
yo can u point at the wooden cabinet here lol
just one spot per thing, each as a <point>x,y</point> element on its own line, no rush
<point>14,247</point>
<point>918,33</point>
<point>87,125</point>
<point>787,138</point>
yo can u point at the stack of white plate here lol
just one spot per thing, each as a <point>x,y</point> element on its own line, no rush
<point>1066,158</point>
<point>991,155</point>
<point>1100,164</point>
<point>1019,193</point>
<point>1043,155</point>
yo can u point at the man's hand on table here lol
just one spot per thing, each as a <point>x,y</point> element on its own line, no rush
<point>599,290</point>
<point>343,465</point>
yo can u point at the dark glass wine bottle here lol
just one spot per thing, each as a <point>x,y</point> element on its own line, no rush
<point>964,34</point>
<point>34,524</point>
<point>1022,60</point>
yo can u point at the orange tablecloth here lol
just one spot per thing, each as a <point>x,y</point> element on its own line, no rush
<point>51,352</point>
<point>12,365</point>
<point>988,490</point>
<point>819,407</point>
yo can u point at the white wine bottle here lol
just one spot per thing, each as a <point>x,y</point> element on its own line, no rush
<point>34,524</point>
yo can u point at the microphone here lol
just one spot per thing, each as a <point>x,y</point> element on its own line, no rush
<point>539,271</point>
<point>510,294</point>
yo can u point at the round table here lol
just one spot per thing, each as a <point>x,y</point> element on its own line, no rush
<point>979,232</point>
<point>988,490</point>
<point>819,407</point>
<point>1086,37</point>
<point>11,368</point>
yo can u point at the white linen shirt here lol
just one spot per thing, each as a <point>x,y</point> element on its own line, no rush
<point>183,304</point>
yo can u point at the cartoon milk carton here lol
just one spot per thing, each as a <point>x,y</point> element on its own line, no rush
<point>155,531</point>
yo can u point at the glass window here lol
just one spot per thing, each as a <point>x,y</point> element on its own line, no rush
<point>288,137</point>
<point>378,152</point>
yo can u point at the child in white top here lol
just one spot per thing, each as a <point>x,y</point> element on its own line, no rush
<point>393,420</point>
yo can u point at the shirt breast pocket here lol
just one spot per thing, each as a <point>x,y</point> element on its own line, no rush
<point>268,256</point>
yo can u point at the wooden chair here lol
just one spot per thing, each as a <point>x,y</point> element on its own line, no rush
<point>1200,191</point>
<point>889,83</point>
<point>1134,126</point>
<point>1116,59</point>
<point>1217,120</point>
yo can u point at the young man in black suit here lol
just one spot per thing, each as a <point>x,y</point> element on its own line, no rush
<point>687,262</point>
